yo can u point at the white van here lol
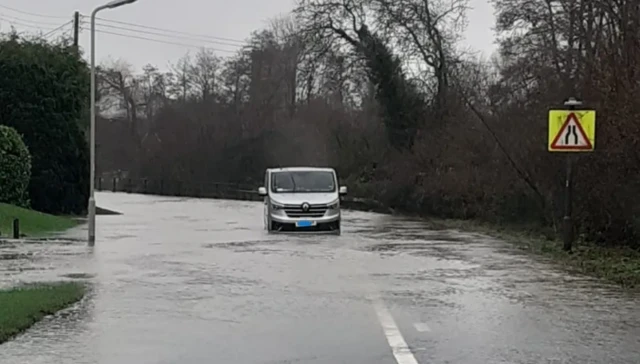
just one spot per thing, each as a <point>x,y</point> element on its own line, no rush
<point>301,199</point>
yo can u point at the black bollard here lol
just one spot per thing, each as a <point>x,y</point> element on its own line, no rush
<point>16,229</point>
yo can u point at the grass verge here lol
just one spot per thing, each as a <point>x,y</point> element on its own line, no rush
<point>22,307</point>
<point>617,265</point>
<point>32,223</point>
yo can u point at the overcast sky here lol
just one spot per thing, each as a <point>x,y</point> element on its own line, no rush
<point>204,21</point>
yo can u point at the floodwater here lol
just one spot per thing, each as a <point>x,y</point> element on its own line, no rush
<point>199,281</point>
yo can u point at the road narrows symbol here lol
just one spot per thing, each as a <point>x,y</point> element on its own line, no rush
<point>571,132</point>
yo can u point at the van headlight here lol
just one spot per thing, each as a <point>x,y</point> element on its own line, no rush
<point>276,206</point>
<point>334,206</point>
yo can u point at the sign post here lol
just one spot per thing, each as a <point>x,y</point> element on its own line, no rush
<point>571,130</point>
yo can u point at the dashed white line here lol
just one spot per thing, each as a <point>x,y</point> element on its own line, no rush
<point>399,347</point>
<point>422,327</point>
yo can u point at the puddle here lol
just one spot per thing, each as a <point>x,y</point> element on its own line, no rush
<point>15,256</point>
<point>78,275</point>
<point>239,244</point>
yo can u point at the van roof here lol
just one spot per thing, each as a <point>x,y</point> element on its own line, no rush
<point>293,169</point>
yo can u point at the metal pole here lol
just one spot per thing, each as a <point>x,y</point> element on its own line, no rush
<point>92,139</point>
<point>567,221</point>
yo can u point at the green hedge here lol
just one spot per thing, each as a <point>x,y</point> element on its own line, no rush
<point>15,168</point>
<point>44,91</point>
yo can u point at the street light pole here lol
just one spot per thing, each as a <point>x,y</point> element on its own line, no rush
<point>92,139</point>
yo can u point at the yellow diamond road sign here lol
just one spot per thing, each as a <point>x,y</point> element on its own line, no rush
<point>572,130</point>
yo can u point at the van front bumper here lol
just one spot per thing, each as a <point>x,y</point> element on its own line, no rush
<point>329,222</point>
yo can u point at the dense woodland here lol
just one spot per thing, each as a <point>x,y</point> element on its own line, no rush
<point>382,91</point>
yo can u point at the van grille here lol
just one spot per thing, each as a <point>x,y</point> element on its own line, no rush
<point>296,211</point>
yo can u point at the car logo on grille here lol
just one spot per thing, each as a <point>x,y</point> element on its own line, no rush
<point>305,207</point>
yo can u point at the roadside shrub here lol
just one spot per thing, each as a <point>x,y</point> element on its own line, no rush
<point>15,168</point>
<point>44,91</point>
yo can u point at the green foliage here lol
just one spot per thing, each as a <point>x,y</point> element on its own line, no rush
<point>15,168</point>
<point>401,103</point>
<point>45,91</point>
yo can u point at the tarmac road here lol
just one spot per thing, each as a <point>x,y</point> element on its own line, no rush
<point>199,281</point>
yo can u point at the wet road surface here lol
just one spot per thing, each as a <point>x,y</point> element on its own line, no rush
<point>199,281</point>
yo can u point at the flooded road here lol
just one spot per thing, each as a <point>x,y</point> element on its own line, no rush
<point>199,281</point>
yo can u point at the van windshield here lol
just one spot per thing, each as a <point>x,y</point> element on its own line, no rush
<point>303,181</point>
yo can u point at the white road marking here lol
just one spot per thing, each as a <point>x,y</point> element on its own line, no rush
<point>422,327</point>
<point>399,347</point>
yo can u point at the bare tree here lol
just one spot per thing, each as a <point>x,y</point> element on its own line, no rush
<point>428,30</point>
<point>153,89</point>
<point>205,74</point>
<point>235,79</point>
<point>118,83</point>
<point>182,83</point>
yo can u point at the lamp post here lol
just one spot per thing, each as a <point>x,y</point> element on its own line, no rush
<point>92,142</point>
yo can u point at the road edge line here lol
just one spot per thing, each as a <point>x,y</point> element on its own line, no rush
<point>399,347</point>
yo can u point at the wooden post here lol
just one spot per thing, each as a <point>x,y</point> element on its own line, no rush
<point>76,29</point>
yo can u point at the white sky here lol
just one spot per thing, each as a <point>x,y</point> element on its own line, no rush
<point>234,20</point>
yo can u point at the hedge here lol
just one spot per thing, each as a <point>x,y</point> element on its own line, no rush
<point>15,168</point>
<point>44,92</point>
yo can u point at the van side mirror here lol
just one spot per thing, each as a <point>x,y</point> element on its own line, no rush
<point>343,190</point>
<point>262,191</point>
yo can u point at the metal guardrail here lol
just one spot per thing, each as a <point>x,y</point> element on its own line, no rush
<point>216,190</point>
<point>166,187</point>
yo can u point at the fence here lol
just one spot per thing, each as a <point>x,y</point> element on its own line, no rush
<point>215,190</point>
<point>219,190</point>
